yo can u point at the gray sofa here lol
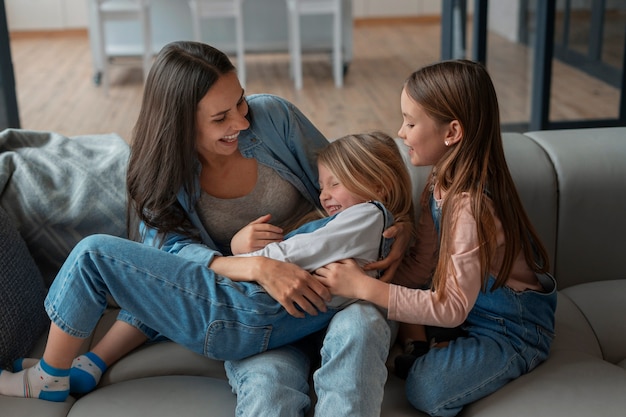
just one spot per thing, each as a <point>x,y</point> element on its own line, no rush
<point>573,184</point>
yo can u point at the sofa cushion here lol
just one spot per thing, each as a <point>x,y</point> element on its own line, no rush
<point>188,396</point>
<point>22,316</point>
<point>569,384</point>
<point>58,190</point>
<point>20,407</point>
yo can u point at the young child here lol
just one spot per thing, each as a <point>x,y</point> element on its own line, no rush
<point>364,187</point>
<point>489,269</point>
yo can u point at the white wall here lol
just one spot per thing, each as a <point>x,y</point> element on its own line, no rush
<point>395,8</point>
<point>70,14</point>
<point>503,18</point>
<point>46,14</point>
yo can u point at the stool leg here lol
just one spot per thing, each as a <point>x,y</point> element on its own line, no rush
<point>147,37</point>
<point>290,34</point>
<point>102,48</point>
<point>337,45</point>
<point>241,63</point>
<point>296,57</point>
<point>195,20</point>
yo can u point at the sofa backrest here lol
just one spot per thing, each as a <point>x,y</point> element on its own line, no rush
<point>590,166</point>
<point>573,186</point>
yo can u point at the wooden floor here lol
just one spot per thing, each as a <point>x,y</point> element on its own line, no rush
<point>56,92</point>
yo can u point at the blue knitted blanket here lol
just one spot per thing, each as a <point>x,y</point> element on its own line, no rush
<point>58,190</point>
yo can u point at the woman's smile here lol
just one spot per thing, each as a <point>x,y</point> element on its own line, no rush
<point>230,138</point>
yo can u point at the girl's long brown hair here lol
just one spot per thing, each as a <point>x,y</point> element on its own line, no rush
<point>163,149</point>
<point>462,90</point>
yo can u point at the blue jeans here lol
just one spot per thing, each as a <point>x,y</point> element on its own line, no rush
<point>509,334</point>
<point>349,382</point>
<point>165,295</point>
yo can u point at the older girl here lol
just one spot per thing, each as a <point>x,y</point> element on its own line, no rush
<point>488,266</point>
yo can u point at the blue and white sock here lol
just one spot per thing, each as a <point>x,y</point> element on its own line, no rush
<point>86,372</point>
<point>40,381</point>
<point>23,363</point>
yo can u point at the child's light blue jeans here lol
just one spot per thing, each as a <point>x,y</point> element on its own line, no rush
<point>168,296</point>
<point>349,382</point>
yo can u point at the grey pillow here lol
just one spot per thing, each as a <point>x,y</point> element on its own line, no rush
<point>22,291</point>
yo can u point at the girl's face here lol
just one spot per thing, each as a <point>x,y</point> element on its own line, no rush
<point>333,195</point>
<point>424,137</point>
<point>220,116</point>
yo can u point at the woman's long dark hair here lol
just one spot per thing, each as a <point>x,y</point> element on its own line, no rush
<point>163,149</point>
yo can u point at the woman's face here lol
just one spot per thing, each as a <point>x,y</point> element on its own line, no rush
<point>333,195</point>
<point>220,116</point>
<point>424,137</point>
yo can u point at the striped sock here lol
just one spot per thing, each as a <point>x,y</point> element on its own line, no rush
<point>40,381</point>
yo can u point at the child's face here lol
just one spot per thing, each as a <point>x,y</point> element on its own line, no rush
<point>424,137</point>
<point>333,195</point>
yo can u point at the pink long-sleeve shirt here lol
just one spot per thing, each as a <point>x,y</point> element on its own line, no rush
<point>411,305</point>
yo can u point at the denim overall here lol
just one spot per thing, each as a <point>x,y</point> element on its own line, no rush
<point>509,333</point>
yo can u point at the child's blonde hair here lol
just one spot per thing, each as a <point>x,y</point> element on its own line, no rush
<point>370,166</point>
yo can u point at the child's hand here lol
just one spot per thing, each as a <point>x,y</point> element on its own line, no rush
<point>342,278</point>
<point>345,278</point>
<point>401,233</point>
<point>256,235</point>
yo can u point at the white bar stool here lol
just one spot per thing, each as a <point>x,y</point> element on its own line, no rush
<point>112,10</point>
<point>217,9</point>
<point>297,8</point>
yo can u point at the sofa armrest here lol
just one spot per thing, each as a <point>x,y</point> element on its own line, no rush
<point>589,164</point>
<point>601,305</point>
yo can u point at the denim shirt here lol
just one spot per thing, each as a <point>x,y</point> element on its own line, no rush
<point>280,137</point>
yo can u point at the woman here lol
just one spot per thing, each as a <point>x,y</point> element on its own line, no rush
<point>205,161</point>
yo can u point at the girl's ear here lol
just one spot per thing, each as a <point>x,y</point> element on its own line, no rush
<point>454,133</point>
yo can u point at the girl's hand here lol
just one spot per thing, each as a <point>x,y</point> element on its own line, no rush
<point>401,232</point>
<point>342,278</point>
<point>347,279</point>
<point>256,235</point>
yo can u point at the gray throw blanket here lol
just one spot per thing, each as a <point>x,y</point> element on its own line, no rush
<point>57,190</point>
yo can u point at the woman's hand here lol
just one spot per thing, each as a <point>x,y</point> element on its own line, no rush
<point>401,232</point>
<point>255,235</point>
<point>345,278</point>
<point>293,287</point>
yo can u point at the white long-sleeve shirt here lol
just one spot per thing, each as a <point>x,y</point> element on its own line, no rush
<point>355,233</point>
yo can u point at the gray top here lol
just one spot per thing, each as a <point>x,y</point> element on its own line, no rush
<point>271,194</point>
